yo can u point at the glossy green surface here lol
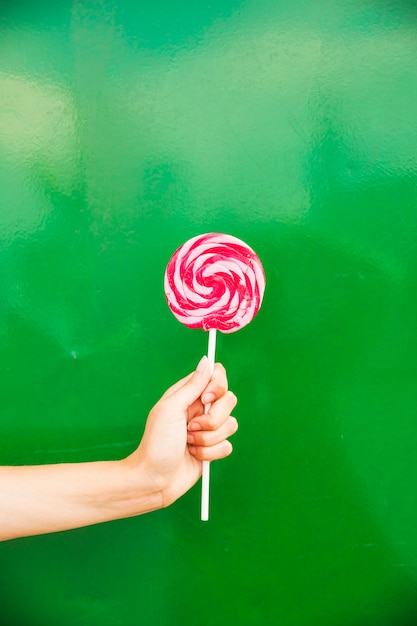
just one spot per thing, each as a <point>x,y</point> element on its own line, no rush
<point>127,127</point>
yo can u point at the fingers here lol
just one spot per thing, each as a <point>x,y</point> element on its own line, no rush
<point>209,438</point>
<point>199,388</point>
<point>217,386</point>
<point>214,453</point>
<point>218,414</point>
<point>189,389</point>
<point>207,434</point>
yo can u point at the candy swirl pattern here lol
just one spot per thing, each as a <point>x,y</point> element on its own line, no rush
<point>214,281</point>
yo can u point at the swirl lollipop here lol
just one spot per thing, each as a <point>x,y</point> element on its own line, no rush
<point>214,282</point>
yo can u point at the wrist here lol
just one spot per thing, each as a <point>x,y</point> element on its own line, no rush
<point>141,491</point>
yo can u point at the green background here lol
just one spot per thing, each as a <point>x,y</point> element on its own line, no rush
<point>127,127</point>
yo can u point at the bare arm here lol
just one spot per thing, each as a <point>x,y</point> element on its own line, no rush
<point>48,498</point>
<point>178,436</point>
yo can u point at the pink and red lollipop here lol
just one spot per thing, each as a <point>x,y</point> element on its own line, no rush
<point>214,281</point>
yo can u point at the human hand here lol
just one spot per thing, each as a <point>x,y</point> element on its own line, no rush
<point>179,436</point>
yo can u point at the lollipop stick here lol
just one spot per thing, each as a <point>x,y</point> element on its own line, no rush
<point>205,485</point>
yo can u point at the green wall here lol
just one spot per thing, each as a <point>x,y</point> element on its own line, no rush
<point>127,127</point>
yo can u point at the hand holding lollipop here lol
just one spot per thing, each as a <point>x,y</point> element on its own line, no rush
<point>214,282</point>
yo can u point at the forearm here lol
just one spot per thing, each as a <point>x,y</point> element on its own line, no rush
<point>48,498</point>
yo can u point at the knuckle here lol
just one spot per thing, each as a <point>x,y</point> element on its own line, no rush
<point>196,452</point>
<point>234,424</point>
<point>203,439</point>
<point>220,377</point>
<point>222,388</point>
<point>227,448</point>
<point>210,439</point>
<point>202,454</point>
<point>219,367</point>
<point>231,399</point>
<point>211,422</point>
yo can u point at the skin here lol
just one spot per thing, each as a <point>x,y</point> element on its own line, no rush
<point>167,463</point>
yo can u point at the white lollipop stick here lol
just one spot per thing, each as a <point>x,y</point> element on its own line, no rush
<point>205,477</point>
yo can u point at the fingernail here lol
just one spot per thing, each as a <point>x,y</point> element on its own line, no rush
<point>202,364</point>
<point>190,439</point>
<point>208,397</point>
<point>193,426</point>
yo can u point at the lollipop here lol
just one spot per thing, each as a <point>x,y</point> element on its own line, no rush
<point>214,282</point>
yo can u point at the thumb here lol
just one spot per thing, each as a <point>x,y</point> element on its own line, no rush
<point>194,385</point>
